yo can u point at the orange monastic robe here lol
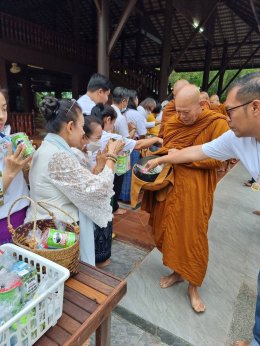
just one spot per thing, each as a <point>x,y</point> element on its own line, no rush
<point>168,112</point>
<point>220,108</point>
<point>180,223</point>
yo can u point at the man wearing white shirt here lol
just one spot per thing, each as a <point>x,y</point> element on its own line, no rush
<point>241,142</point>
<point>119,103</point>
<point>98,90</point>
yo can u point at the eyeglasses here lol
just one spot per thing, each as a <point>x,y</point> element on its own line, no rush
<point>73,103</point>
<point>231,109</point>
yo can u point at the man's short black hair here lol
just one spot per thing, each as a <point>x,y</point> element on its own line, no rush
<point>119,94</point>
<point>98,81</point>
<point>248,87</point>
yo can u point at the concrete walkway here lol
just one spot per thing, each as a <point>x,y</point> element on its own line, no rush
<point>229,288</point>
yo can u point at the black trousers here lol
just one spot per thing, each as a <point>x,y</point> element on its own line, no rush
<point>118,182</point>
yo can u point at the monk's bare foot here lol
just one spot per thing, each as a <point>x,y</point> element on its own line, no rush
<point>256,212</point>
<point>241,343</point>
<point>120,211</point>
<point>196,302</point>
<point>168,281</point>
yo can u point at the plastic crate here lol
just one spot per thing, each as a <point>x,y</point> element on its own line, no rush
<point>27,326</point>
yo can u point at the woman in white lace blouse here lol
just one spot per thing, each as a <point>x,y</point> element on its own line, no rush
<point>57,176</point>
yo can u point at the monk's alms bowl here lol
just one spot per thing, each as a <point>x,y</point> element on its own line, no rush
<point>148,176</point>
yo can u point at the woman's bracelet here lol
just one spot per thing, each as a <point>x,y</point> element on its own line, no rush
<point>111,157</point>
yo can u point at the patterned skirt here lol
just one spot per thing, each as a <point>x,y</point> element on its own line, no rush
<point>125,194</point>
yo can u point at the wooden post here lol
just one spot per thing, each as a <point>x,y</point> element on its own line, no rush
<point>223,62</point>
<point>166,51</point>
<point>103,37</point>
<point>208,54</point>
<point>3,74</point>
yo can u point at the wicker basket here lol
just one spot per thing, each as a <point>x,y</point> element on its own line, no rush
<point>67,257</point>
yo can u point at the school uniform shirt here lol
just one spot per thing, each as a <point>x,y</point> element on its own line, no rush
<point>133,116</point>
<point>121,127</point>
<point>86,104</point>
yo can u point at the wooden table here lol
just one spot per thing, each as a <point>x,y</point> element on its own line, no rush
<point>89,298</point>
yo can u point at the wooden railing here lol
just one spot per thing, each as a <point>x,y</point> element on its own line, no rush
<point>22,122</point>
<point>17,30</point>
<point>144,81</point>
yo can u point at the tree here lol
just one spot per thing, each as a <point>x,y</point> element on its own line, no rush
<point>197,77</point>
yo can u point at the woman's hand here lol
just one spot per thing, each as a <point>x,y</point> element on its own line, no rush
<point>151,164</point>
<point>131,127</point>
<point>159,140</point>
<point>101,160</point>
<point>14,163</point>
<point>114,147</point>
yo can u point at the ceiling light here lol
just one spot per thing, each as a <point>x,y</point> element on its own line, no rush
<point>15,68</point>
<point>195,23</point>
<point>34,66</point>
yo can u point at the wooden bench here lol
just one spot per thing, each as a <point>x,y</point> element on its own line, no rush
<point>89,298</point>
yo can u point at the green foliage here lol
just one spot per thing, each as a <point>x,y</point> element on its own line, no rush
<point>197,77</point>
<point>40,95</point>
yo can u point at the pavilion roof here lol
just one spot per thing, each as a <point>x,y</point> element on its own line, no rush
<point>233,22</point>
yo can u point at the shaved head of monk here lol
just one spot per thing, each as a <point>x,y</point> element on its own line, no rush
<point>204,96</point>
<point>214,99</point>
<point>179,85</point>
<point>187,104</point>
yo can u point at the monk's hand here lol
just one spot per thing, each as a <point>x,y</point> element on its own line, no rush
<point>151,164</point>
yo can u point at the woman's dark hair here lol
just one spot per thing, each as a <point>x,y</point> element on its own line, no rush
<point>103,111</point>
<point>57,112</point>
<point>5,93</point>
<point>157,109</point>
<point>132,95</point>
<point>89,120</point>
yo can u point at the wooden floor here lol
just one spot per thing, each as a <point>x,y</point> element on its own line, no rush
<point>133,228</point>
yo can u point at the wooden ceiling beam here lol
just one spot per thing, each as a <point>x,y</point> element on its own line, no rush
<point>126,13</point>
<point>241,68</point>
<point>194,34</point>
<point>223,67</point>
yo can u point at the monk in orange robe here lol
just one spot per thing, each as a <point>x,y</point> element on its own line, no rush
<point>169,109</point>
<point>180,222</point>
<point>214,105</point>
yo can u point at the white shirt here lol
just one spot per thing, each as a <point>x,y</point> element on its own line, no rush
<point>142,111</point>
<point>228,146</point>
<point>133,116</point>
<point>129,143</point>
<point>16,189</point>
<point>86,104</point>
<point>121,126</point>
